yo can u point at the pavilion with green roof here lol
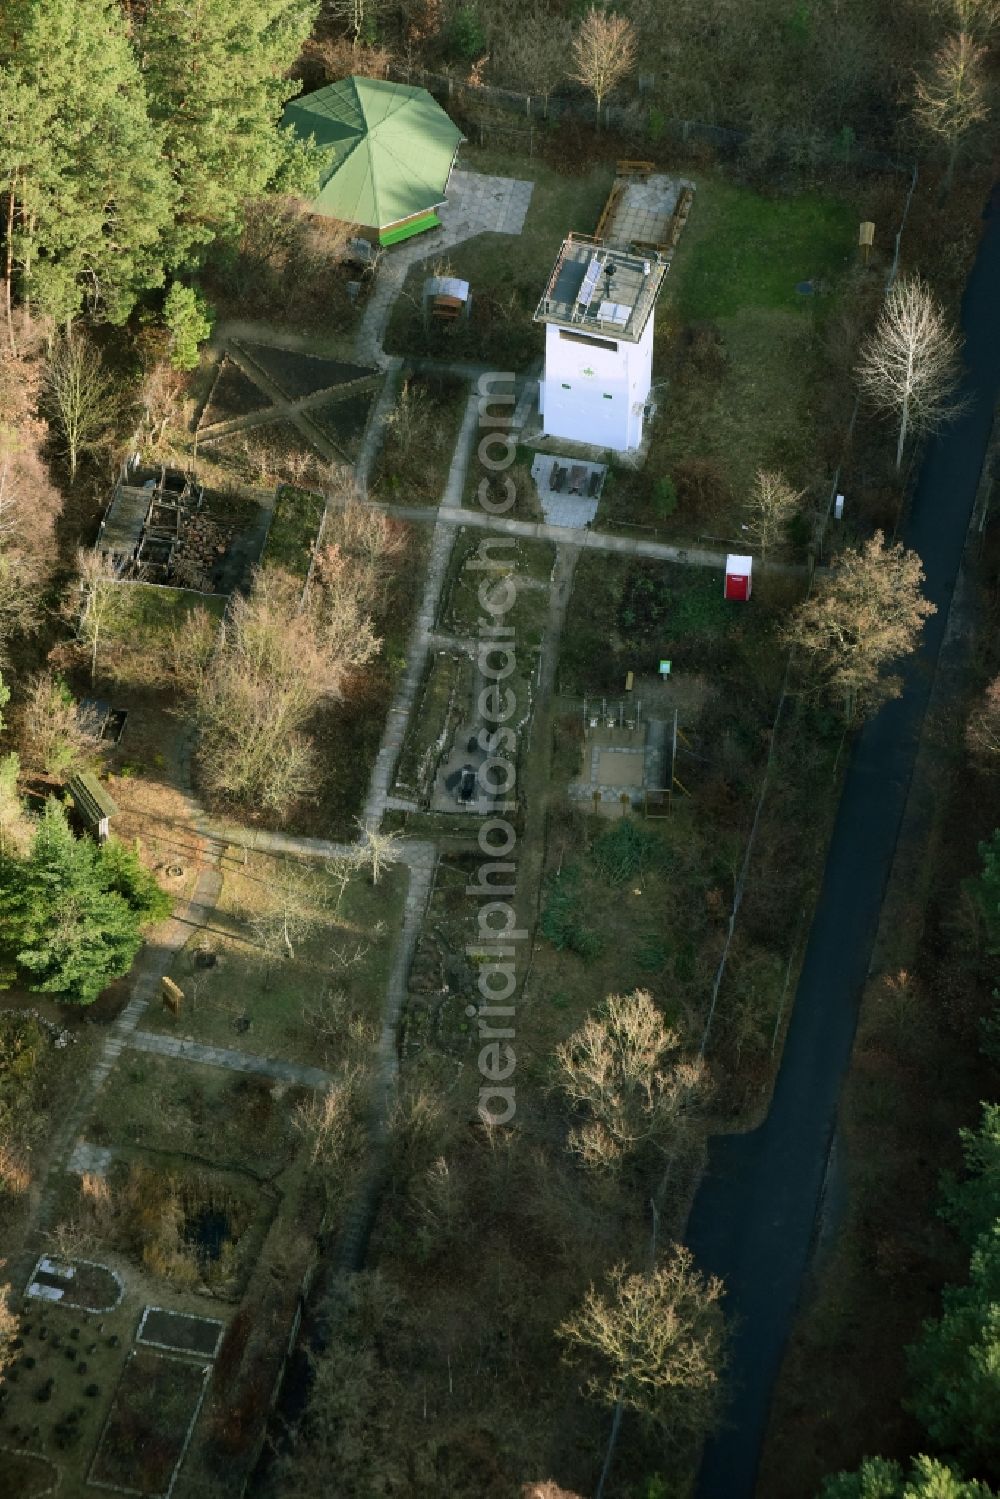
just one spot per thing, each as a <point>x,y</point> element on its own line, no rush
<point>389,154</point>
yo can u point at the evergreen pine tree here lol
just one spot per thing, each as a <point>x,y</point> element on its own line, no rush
<point>71,913</point>
<point>216,72</point>
<point>85,184</point>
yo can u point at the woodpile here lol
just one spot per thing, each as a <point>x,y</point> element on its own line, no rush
<point>200,549</point>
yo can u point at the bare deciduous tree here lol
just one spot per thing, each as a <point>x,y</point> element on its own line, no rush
<point>909,365</point>
<point>191,646</point>
<point>8,1326</point>
<point>532,55</point>
<point>605,51</point>
<point>54,736</point>
<point>951,98</point>
<point>333,1124</point>
<point>262,685</point>
<point>658,1339</point>
<point>979,17</point>
<point>339,57</point>
<point>79,396</point>
<point>291,903</point>
<point>625,1069</point>
<point>770,506</point>
<point>368,540</point>
<point>982,735</point>
<point>359,17</point>
<point>548,1490</point>
<point>100,599</point>
<point>377,849</point>
<point>20,569</point>
<point>866,614</point>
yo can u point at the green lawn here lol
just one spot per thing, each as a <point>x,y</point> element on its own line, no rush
<point>627,614</point>
<point>741,251</point>
<point>150,609</point>
<point>294,528</point>
<point>266,1005</point>
<point>739,369</point>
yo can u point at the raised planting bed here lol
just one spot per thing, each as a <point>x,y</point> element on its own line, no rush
<point>294,529</point>
<point>233,394</point>
<point>150,1425</point>
<point>301,375</point>
<point>446,699</point>
<point>80,1284</point>
<point>344,422</point>
<point>180,1332</point>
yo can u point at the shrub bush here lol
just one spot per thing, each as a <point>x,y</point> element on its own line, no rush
<point>626,850</point>
<point>563,918</point>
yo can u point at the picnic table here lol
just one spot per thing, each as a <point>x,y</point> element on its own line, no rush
<point>577,475</point>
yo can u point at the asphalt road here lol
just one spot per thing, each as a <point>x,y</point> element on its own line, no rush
<point>754,1215</point>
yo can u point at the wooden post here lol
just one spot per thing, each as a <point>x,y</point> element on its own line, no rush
<point>173,996</point>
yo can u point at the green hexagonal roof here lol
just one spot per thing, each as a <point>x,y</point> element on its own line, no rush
<point>389,149</point>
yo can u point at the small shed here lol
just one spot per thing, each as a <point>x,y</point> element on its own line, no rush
<point>738,577</point>
<point>95,805</point>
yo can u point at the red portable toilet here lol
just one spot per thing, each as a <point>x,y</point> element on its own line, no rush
<point>738,579</point>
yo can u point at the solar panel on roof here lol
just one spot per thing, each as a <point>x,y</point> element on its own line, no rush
<point>589,282</point>
<point>614,312</point>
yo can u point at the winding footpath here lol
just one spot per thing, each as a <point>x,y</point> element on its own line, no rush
<point>754,1217</point>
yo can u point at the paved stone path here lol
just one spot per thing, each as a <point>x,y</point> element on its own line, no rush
<point>448,514</point>
<point>353,1239</point>
<point>224,1056</point>
<point>423,627</point>
<point>91,1159</point>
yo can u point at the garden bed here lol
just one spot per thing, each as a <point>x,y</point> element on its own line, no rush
<point>233,394</point>
<point>79,1285</point>
<point>229,1119</point>
<point>530,563</point>
<point>180,1332</point>
<point>266,454</point>
<point>344,422</point>
<point>297,374</point>
<point>28,1476</point>
<point>152,1419</point>
<point>295,524</point>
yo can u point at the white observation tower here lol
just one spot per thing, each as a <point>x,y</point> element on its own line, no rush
<point>598,311</point>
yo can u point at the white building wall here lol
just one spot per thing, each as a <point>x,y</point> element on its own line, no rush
<point>589,393</point>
